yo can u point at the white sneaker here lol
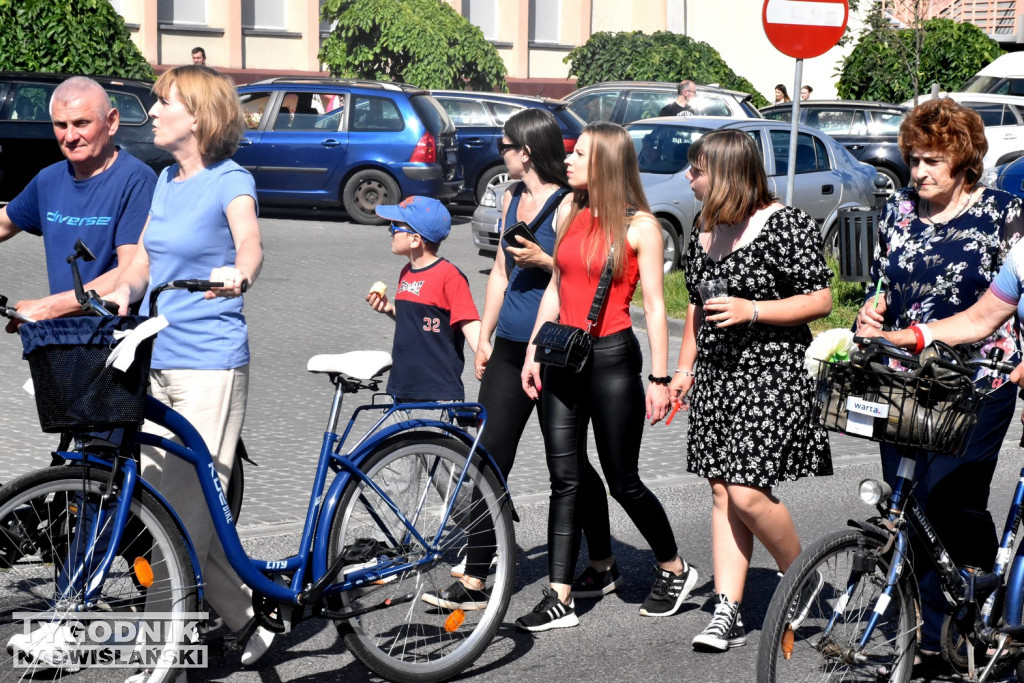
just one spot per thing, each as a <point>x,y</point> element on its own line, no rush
<point>47,645</point>
<point>257,646</point>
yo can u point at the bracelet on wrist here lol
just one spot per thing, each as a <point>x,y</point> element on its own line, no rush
<point>753,318</point>
<point>918,338</point>
<point>659,380</point>
<point>685,372</point>
<point>926,334</point>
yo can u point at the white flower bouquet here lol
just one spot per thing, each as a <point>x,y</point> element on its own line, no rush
<point>830,346</point>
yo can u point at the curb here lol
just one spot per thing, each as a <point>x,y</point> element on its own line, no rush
<point>675,325</point>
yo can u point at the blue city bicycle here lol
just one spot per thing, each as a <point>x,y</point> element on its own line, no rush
<point>848,607</point>
<point>387,520</point>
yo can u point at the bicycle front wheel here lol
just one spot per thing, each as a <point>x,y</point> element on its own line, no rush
<point>141,612</point>
<point>829,594</point>
<point>414,639</point>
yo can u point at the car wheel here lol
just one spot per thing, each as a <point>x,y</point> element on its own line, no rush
<point>366,190</point>
<point>892,181</point>
<point>670,235</point>
<point>489,179</point>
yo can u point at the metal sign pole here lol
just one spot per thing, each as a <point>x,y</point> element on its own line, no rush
<point>795,122</point>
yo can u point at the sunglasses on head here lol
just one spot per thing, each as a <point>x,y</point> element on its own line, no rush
<point>506,146</point>
<point>397,228</point>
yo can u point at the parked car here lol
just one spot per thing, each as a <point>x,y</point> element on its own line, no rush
<point>26,133</point>
<point>348,142</point>
<point>625,101</point>
<point>867,129</point>
<point>1003,116</point>
<point>827,179</point>
<point>1009,177</point>
<point>1004,76</point>
<point>479,117</point>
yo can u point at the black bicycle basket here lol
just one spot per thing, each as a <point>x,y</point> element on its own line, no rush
<point>922,408</point>
<point>74,390</point>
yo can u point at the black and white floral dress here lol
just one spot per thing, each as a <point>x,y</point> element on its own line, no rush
<point>751,416</point>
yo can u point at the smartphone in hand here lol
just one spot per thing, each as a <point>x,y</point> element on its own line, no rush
<point>518,230</point>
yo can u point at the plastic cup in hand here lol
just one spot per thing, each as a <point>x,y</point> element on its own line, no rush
<point>713,289</point>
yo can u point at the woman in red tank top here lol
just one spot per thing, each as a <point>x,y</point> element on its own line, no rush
<point>608,210</point>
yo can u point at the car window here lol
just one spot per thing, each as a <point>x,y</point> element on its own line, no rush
<point>503,111</point>
<point>129,106</point>
<point>811,154</point>
<point>595,106</point>
<point>662,149</point>
<point>779,115</point>
<point>465,112</point>
<point>833,121</point>
<point>371,114</point>
<point>309,111</point>
<point>885,123</point>
<point>30,102</point>
<point>979,84</point>
<point>708,105</point>
<point>433,115</point>
<point>991,114</point>
<point>1016,86</point>
<point>253,106</point>
<point>644,105</point>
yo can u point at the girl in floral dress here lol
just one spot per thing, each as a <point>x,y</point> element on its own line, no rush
<point>742,356</point>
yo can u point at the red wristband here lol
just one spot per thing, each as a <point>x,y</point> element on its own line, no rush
<point>918,337</point>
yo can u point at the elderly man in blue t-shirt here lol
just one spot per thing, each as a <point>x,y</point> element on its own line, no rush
<point>100,194</point>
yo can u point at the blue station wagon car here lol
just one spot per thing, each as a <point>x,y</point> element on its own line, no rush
<point>355,143</point>
<point>479,117</point>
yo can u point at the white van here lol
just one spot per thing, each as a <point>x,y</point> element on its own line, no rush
<point>1004,76</point>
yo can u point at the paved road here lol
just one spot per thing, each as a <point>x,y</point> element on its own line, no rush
<point>309,300</point>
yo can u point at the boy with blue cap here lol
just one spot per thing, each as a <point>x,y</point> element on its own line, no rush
<point>433,309</point>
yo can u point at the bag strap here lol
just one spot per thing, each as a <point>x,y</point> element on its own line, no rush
<point>602,290</point>
<point>553,201</point>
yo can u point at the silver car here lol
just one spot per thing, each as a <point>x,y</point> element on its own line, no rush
<point>828,178</point>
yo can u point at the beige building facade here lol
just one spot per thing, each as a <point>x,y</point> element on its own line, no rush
<point>258,38</point>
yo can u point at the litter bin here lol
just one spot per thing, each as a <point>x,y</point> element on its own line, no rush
<point>857,230</point>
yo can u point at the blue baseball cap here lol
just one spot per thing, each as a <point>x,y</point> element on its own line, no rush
<point>425,215</point>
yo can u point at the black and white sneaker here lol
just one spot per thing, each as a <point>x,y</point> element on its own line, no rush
<point>806,596</point>
<point>550,613</point>
<point>668,592</point>
<point>594,584</point>
<point>457,596</point>
<point>724,631</point>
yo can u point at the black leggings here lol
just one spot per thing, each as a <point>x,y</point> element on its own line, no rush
<point>610,394</point>
<point>508,411</point>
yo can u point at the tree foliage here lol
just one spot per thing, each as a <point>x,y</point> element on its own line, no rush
<point>660,56</point>
<point>422,42</point>
<point>887,63</point>
<point>68,36</point>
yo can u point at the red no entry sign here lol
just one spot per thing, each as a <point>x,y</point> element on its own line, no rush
<point>804,28</point>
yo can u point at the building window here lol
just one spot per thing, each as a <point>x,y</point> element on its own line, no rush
<point>544,20</point>
<point>484,15</point>
<point>182,12</point>
<point>264,14</point>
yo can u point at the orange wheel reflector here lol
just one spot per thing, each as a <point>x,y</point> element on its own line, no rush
<point>454,621</point>
<point>787,642</point>
<point>143,571</point>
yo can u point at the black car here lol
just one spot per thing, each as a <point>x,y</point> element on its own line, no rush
<point>867,129</point>
<point>478,118</point>
<point>26,134</point>
<point>623,102</point>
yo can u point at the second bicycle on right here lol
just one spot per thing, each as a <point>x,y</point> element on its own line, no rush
<point>848,608</point>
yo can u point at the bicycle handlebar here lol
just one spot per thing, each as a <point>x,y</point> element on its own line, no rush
<point>931,357</point>
<point>192,285</point>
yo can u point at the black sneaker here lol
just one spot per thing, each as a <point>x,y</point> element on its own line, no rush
<point>668,592</point>
<point>550,613</point>
<point>457,596</point>
<point>594,584</point>
<point>724,631</point>
<point>806,596</point>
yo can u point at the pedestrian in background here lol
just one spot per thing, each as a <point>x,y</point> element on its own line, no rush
<point>946,223</point>
<point>199,56</point>
<point>781,94</point>
<point>805,92</point>
<point>607,219</point>
<point>680,106</point>
<point>742,357</point>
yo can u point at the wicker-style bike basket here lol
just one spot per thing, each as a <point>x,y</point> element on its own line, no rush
<point>902,408</point>
<point>74,390</point>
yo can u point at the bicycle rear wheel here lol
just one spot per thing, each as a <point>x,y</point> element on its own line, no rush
<point>815,656</point>
<point>413,640</point>
<point>46,520</point>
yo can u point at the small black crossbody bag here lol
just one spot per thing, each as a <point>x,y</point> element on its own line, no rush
<point>564,346</point>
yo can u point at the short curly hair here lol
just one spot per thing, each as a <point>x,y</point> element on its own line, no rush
<point>951,128</point>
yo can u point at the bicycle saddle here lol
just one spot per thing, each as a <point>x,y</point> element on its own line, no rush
<point>362,365</point>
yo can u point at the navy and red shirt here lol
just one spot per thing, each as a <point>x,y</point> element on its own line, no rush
<point>427,353</point>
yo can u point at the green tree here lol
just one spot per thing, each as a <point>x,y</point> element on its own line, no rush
<point>896,64</point>
<point>68,36</point>
<point>660,56</point>
<point>422,42</point>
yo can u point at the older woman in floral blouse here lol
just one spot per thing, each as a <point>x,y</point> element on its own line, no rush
<point>941,242</point>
